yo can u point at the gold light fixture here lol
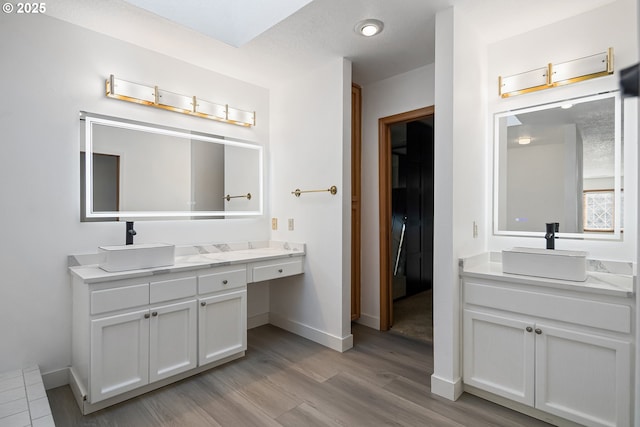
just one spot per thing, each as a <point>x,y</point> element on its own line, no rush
<point>559,74</point>
<point>159,98</point>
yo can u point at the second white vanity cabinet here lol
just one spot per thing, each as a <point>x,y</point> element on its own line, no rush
<point>566,353</point>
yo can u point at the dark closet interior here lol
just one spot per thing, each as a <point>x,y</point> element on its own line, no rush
<point>412,207</point>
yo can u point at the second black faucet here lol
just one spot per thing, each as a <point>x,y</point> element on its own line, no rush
<point>550,236</point>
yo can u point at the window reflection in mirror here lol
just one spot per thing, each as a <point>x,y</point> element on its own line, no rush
<point>555,163</point>
<point>138,170</point>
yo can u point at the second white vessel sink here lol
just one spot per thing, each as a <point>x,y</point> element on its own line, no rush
<point>134,257</point>
<point>548,263</point>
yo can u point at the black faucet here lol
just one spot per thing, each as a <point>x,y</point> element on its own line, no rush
<point>552,229</point>
<point>130,233</point>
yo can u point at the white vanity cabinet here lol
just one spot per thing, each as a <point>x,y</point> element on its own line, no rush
<point>566,353</point>
<point>139,330</point>
<point>139,333</point>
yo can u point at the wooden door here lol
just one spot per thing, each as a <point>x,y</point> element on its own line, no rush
<point>356,148</point>
<point>385,171</point>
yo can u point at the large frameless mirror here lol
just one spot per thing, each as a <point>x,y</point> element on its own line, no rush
<point>560,162</point>
<point>134,170</point>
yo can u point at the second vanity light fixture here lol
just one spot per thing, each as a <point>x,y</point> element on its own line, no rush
<point>156,97</point>
<point>553,75</point>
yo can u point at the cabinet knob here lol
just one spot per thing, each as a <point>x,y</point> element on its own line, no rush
<point>279,270</point>
<point>225,281</point>
<point>146,315</point>
<point>529,329</point>
<point>538,331</point>
<point>154,314</point>
<point>203,303</point>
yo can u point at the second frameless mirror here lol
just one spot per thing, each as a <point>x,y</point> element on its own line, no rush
<point>560,162</point>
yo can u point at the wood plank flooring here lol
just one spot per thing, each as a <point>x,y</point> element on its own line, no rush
<point>286,380</point>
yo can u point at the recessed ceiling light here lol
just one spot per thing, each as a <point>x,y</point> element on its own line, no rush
<point>369,27</point>
<point>566,106</point>
<point>524,141</point>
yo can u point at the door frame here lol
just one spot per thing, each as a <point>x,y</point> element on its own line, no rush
<point>384,170</point>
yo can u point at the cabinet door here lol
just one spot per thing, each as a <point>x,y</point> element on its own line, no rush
<point>498,355</point>
<point>172,339</point>
<point>583,377</point>
<point>222,326</point>
<point>119,354</point>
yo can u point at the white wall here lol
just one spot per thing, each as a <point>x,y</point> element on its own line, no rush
<point>310,130</point>
<point>613,25</point>
<point>465,99</point>
<point>398,94</point>
<point>52,70</point>
<point>460,178</point>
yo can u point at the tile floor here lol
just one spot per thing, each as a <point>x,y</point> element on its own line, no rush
<point>23,400</point>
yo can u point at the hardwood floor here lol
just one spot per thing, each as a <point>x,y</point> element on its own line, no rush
<point>286,380</point>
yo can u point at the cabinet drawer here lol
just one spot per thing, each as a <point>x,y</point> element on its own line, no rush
<point>119,298</point>
<point>168,290</point>
<point>273,270</point>
<point>222,279</point>
<point>580,311</point>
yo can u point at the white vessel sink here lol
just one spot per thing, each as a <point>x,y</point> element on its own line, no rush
<point>135,257</point>
<point>548,263</point>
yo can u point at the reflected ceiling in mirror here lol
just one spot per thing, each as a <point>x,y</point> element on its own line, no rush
<point>134,170</point>
<point>560,162</point>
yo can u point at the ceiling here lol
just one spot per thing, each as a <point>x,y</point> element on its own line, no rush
<point>302,35</point>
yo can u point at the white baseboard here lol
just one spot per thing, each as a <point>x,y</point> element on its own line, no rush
<point>258,320</point>
<point>56,378</point>
<point>369,321</point>
<point>313,334</point>
<point>448,389</point>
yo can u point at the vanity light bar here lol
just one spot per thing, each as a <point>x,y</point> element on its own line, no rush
<point>559,74</point>
<point>159,98</point>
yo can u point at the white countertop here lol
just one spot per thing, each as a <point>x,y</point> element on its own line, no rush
<point>190,258</point>
<point>598,282</point>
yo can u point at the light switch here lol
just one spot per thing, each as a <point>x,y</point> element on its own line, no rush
<point>274,223</point>
<point>290,224</point>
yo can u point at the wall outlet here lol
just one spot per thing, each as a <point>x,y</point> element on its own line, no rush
<point>290,224</point>
<point>274,223</point>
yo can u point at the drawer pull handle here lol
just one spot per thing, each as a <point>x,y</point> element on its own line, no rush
<point>279,270</point>
<point>538,331</point>
<point>225,281</point>
<point>154,314</point>
<point>203,303</point>
<point>146,315</point>
<point>529,329</point>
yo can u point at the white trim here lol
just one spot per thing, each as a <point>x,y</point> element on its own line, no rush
<point>321,337</point>
<point>446,388</point>
<point>56,378</point>
<point>257,320</point>
<point>369,321</point>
